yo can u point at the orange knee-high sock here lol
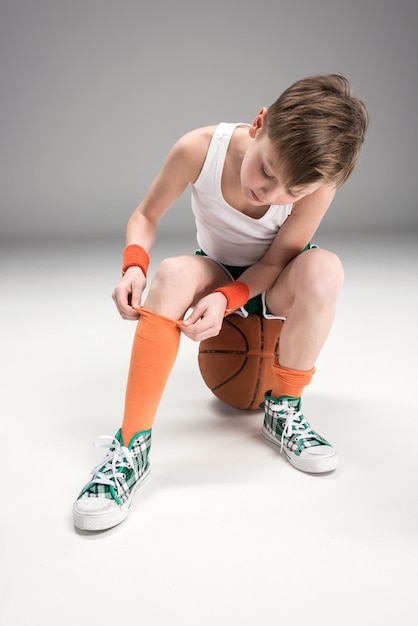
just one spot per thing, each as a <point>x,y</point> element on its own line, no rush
<point>288,382</point>
<point>154,351</point>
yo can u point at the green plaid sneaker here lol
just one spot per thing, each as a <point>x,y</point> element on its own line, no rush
<point>106,499</point>
<point>286,427</point>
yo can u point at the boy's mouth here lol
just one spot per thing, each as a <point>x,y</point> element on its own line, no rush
<point>255,197</point>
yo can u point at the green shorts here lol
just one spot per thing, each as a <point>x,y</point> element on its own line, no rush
<point>258,303</point>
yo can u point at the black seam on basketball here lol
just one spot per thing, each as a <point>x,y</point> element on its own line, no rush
<point>264,348</point>
<point>247,346</point>
<point>224,352</point>
<point>224,382</point>
<point>240,332</point>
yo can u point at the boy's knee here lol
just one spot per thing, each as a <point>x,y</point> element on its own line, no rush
<point>322,273</point>
<point>170,273</point>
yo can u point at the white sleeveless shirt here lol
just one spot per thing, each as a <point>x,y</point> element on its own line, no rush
<point>223,233</point>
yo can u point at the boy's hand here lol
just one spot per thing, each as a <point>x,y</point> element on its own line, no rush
<point>206,318</point>
<point>127,295</point>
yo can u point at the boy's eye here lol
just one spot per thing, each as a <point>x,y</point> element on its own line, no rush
<point>263,171</point>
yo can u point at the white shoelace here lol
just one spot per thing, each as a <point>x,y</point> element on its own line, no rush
<point>295,425</point>
<point>119,457</point>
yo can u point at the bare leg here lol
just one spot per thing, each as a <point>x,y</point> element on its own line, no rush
<point>180,282</point>
<point>177,284</point>
<point>306,293</point>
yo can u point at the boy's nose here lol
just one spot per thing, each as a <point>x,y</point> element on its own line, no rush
<point>267,193</point>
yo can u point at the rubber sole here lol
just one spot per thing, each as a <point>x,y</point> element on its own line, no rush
<point>95,521</point>
<point>316,465</point>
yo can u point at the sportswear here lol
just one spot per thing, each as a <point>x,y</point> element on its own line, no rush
<point>286,427</point>
<point>225,234</point>
<point>106,499</point>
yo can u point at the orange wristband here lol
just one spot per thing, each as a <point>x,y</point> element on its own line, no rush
<point>237,294</point>
<point>135,255</point>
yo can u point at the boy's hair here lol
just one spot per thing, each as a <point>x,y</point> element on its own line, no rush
<point>317,129</point>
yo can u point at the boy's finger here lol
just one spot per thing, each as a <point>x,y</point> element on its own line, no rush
<point>136,299</point>
<point>196,314</point>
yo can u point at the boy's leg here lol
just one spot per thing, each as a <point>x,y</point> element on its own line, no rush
<point>154,351</point>
<point>178,284</point>
<point>306,293</point>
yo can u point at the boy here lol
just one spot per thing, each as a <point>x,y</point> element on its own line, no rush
<point>259,193</point>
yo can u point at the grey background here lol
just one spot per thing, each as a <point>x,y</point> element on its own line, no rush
<point>94,93</point>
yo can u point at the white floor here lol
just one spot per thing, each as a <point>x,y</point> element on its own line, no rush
<point>225,532</point>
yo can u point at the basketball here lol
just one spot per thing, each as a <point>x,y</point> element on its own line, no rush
<point>237,364</point>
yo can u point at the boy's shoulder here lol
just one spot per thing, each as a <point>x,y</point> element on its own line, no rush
<point>190,151</point>
<point>197,137</point>
<point>193,146</point>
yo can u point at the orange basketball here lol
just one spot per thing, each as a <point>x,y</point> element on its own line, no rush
<point>237,364</point>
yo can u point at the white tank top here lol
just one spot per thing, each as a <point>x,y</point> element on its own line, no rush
<point>223,233</point>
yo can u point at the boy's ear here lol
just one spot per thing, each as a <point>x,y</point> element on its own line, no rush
<point>258,122</point>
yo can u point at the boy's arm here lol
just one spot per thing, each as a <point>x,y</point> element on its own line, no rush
<point>182,166</point>
<point>293,236</point>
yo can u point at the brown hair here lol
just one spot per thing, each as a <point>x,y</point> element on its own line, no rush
<point>317,129</point>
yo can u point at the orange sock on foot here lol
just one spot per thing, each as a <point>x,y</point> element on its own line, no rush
<point>288,382</point>
<point>154,351</point>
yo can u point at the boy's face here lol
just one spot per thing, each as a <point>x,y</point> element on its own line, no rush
<point>262,178</point>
